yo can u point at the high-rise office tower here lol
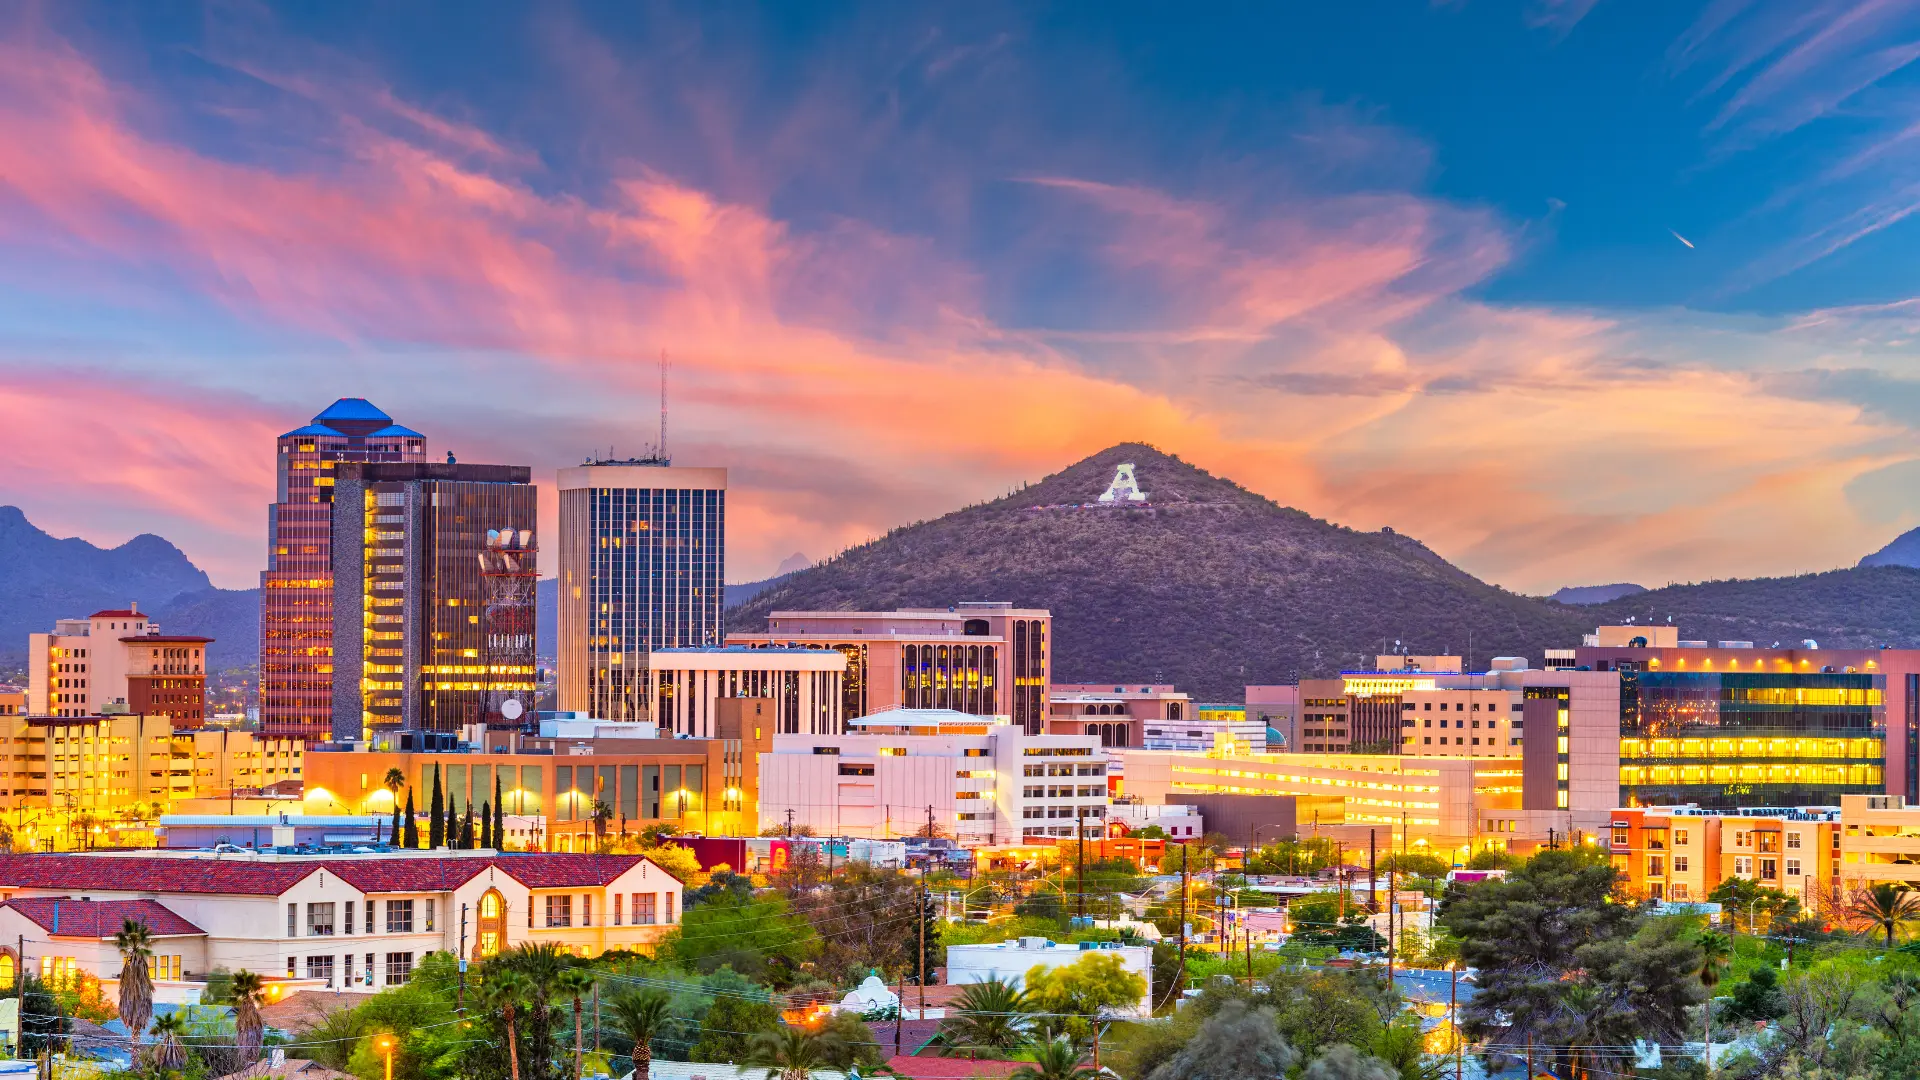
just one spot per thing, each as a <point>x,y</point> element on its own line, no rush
<point>643,549</point>
<point>296,590</point>
<point>433,576</point>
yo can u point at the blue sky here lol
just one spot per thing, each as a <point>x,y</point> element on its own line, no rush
<point>1396,264</point>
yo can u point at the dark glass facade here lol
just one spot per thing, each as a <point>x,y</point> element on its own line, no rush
<point>959,677</point>
<point>1728,739</point>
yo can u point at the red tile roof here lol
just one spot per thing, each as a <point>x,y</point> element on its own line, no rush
<point>116,614</point>
<point>99,918</point>
<point>426,873</point>
<point>169,639</point>
<point>949,1068</point>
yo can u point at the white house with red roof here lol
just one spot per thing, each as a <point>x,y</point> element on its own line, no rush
<point>335,921</point>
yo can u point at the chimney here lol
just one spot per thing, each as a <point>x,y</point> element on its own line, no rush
<point>134,607</point>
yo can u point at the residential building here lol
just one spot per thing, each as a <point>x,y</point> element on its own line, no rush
<point>340,920</point>
<point>980,780</point>
<point>987,659</point>
<point>642,568</point>
<point>296,589</point>
<point>117,660</point>
<point>687,685</point>
<point>433,579</point>
<point>1726,724</point>
<point>1683,853</point>
<point>705,786</point>
<point>1119,714</point>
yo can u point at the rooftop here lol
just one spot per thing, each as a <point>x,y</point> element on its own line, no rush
<point>129,613</point>
<point>99,918</point>
<point>249,876</point>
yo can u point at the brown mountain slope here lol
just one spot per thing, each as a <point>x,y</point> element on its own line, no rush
<point>1210,586</point>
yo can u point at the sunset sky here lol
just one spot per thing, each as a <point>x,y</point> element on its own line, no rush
<point>1574,291</point>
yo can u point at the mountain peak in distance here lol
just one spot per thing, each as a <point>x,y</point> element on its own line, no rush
<point>1596,594</point>
<point>1904,550</point>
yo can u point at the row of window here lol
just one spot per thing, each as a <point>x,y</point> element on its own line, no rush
<point>320,917</point>
<point>399,968</point>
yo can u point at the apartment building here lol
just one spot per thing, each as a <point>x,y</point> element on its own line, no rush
<point>1684,853</point>
<point>980,780</point>
<point>117,660</point>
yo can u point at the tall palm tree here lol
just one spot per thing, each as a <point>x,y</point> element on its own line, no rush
<point>169,1051</point>
<point>135,943</point>
<point>394,781</point>
<point>1716,952</point>
<point>1886,905</point>
<point>577,983</point>
<point>248,995</point>
<point>641,1017</point>
<point>1055,1059</point>
<point>504,991</point>
<point>790,1053</point>
<point>991,1016</point>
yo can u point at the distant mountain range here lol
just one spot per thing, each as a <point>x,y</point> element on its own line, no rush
<point>43,578</point>
<point>1204,584</point>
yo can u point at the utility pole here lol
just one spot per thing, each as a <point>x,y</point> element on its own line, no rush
<point>1373,877</point>
<point>1393,908</point>
<point>1453,1017</point>
<point>1340,875</point>
<point>789,823</point>
<point>1181,976</point>
<point>920,961</point>
<point>460,994</point>
<point>1080,826</point>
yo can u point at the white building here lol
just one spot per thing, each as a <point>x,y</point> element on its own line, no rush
<point>1011,961</point>
<point>340,921</point>
<point>803,682</point>
<point>982,780</point>
<point>82,667</point>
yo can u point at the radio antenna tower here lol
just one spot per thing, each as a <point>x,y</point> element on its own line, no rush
<point>663,405</point>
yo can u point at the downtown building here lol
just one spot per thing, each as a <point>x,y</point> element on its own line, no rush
<point>117,661</point>
<point>642,568</point>
<point>296,589</point>
<point>433,577</point>
<point>980,658</point>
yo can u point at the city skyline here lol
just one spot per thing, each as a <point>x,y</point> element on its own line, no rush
<point>1636,289</point>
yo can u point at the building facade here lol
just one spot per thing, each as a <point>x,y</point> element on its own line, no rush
<point>975,780</point>
<point>433,597</point>
<point>343,921</point>
<point>117,661</point>
<point>643,558</point>
<point>296,589</point>
<point>1725,724</point>
<point>689,683</point>
<point>1119,714</point>
<point>986,659</point>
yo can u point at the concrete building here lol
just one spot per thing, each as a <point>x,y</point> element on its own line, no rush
<point>1278,707</point>
<point>433,578</point>
<point>642,568</point>
<point>117,660</point>
<point>987,659</point>
<point>687,684</point>
<point>981,780</point>
<point>1726,724</point>
<point>296,589</point>
<point>1012,961</point>
<point>706,786</point>
<point>354,920</point>
<point>1683,853</point>
<point>1118,713</point>
<point>77,781</point>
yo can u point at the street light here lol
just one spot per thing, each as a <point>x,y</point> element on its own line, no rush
<point>384,1044</point>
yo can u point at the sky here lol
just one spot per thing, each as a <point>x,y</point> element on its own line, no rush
<point>1573,291</point>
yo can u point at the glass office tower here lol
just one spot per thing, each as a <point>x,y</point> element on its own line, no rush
<point>296,590</point>
<point>642,566</point>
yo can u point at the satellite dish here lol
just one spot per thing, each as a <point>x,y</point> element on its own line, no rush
<point>511,709</point>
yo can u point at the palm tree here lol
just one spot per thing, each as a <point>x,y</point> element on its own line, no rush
<point>169,1052</point>
<point>394,781</point>
<point>504,991</point>
<point>1716,952</point>
<point>641,1017</point>
<point>1055,1059</point>
<point>1886,905</point>
<point>135,943</point>
<point>577,983</point>
<point>790,1053</point>
<point>990,1016</point>
<point>248,996</point>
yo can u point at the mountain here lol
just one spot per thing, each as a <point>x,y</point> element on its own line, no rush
<point>43,578</point>
<point>1904,550</point>
<point>1207,585</point>
<point>1860,607</point>
<point>1596,594</point>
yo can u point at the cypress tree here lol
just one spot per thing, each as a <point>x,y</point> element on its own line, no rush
<point>486,825</point>
<point>436,813</point>
<point>411,836</point>
<point>466,830</point>
<point>393,839</point>
<point>450,829</point>
<point>499,816</point>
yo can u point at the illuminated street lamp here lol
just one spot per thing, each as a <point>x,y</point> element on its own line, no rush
<point>384,1044</point>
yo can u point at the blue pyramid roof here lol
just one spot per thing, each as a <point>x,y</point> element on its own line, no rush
<point>395,431</point>
<point>351,408</point>
<point>310,429</point>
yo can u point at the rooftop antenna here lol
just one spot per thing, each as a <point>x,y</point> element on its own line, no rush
<point>663,404</point>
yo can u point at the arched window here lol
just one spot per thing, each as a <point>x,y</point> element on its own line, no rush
<point>491,926</point>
